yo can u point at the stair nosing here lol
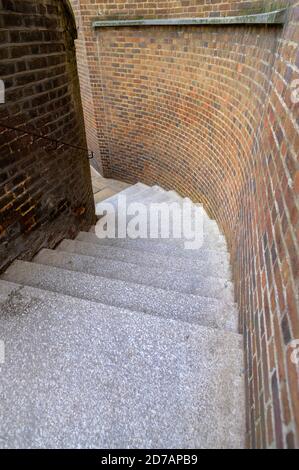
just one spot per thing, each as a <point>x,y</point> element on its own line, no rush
<point>126,263</point>
<point>121,261</point>
<point>129,252</point>
<point>160,241</point>
<point>192,308</point>
<point>20,287</point>
<point>212,299</point>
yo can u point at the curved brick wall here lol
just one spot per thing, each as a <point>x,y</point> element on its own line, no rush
<point>45,193</point>
<point>208,111</point>
<point>181,8</point>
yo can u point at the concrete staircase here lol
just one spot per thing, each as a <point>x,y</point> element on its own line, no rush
<point>104,188</point>
<point>121,343</point>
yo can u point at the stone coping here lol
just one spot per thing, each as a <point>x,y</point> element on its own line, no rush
<point>273,17</point>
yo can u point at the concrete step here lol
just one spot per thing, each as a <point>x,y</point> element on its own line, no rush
<point>188,283</point>
<point>168,304</point>
<point>171,197</point>
<point>210,242</point>
<point>146,197</point>
<point>105,187</point>
<point>100,183</point>
<point>154,196</point>
<point>131,192</point>
<point>208,264</point>
<point>103,194</point>
<point>136,194</point>
<point>164,246</point>
<point>84,375</point>
<point>118,185</point>
<point>142,201</point>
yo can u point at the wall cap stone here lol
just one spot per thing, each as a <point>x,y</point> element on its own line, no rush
<point>272,17</point>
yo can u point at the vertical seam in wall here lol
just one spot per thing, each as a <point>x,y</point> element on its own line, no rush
<point>83,40</point>
<point>104,101</point>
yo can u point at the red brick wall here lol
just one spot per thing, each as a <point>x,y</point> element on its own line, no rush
<point>181,8</point>
<point>208,111</point>
<point>93,87</point>
<point>266,252</point>
<point>86,85</point>
<point>92,91</point>
<point>45,193</point>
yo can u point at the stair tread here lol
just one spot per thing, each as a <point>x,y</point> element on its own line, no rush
<point>144,196</point>
<point>131,191</point>
<point>170,304</point>
<point>155,195</point>
<point>186,282</point>
<point>164,246</point>
<point>130,377</point>
<point>103,194</point>
<point>210,241</point>
<point>137,336</point>
<point>211,266</point>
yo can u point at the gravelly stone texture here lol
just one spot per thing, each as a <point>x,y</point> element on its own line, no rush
<point>164,247</point>
<point>207,267</point>
<point>85,375</point>
<point>122,344</point>
<point>150,196</point>
<point>168,304</point>
<point>187,282</point>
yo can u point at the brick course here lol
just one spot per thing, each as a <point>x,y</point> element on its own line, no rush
<point>181,8</point>
<point>208,111</point>
<point>45,193</point>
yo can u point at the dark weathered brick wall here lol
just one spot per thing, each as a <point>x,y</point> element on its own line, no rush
<point>45,193</point>
<point>208,111</point>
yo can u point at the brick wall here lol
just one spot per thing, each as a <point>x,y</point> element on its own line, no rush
<point>45,193</point>
<point>85,70</point>
<point>181,8</point>
<point>208,111</point>
<point>89,52</point>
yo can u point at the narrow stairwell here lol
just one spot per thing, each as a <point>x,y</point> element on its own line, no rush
<point>104,188</point>
<point>122,343</point>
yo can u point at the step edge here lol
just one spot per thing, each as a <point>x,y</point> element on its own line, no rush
<point>218,303</point>
<point>48,250</point>
<point>19,287</point>
<point>158,240</point>
<point>37,260</point>
<point>128,251</point>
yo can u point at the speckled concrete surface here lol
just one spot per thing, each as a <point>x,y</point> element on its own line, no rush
<point>122,344</point>
<point>139,190</point>
<point>168,304</point>
<point>105,187</point>
<point>208,267</point>
<point>165,247</point>
<point>215,243</point>
<point>85,375</point>
<point>212,237</point>
<point>154,195</point>
<point>186,282</point>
